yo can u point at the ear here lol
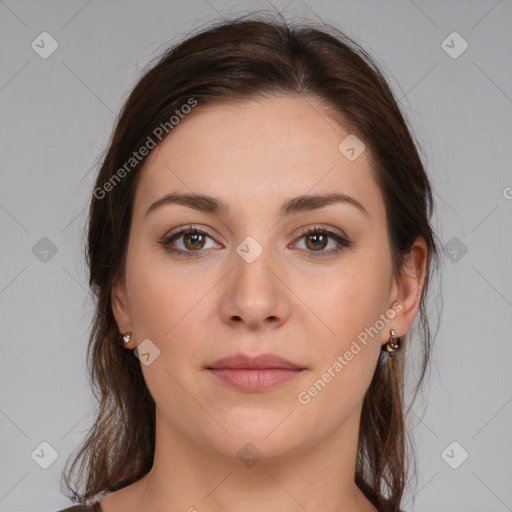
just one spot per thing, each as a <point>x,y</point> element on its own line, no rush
<point>120,309</point>
<point>408,287</point>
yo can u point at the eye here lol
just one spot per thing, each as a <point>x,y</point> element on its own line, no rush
<point>317,239</point>
<point>192,242</point>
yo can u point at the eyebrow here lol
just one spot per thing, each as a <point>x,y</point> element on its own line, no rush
<point>297,204</point>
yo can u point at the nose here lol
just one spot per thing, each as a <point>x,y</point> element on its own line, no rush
<point>255,294</point>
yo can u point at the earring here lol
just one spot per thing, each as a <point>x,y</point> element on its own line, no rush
<point>393,345</point>
<point>126,338</point>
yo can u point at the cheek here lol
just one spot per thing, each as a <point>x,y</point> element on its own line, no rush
<point>167,309</point>
<point>351,308</point>
<point>350,301</point>
<point>153,297</point>
<point>167,304</point>
<point>348,351</point>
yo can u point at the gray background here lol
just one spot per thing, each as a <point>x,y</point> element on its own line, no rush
<point>56,116</point>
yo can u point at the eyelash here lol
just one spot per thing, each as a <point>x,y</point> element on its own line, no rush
<point>342,242</point>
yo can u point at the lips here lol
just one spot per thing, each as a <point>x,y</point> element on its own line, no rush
<point>262,362</point>
<point>254,374</point>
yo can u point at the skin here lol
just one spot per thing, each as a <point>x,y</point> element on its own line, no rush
<point>254,156</point>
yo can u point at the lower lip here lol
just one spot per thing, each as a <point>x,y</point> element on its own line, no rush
<point>255,380</point>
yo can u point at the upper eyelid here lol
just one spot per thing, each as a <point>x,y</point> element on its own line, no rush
<point>320,227</point>
<point>301,231</point>
<point>184,229</point>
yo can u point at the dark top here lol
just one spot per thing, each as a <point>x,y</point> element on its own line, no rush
<point>91,507</point>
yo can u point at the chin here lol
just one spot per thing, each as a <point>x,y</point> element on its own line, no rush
<point>267,433</point>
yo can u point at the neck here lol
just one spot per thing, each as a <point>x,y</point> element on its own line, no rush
<point>311,477</point>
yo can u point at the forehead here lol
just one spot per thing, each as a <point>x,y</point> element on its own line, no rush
<point>251,151</point>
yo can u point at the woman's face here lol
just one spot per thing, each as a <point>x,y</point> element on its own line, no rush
<point>247,280</point>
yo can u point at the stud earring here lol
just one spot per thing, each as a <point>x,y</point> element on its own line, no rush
<point>393,345</point>
<point>125,339</point>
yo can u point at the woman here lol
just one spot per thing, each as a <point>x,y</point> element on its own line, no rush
<point>259,243</point>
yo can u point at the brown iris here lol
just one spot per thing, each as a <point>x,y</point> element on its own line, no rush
<point>197,240</point>
<point>319,244</point>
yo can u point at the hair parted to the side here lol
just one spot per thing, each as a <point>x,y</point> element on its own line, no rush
<point>250,57</point>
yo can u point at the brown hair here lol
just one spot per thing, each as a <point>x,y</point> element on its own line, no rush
<point>250,57</point>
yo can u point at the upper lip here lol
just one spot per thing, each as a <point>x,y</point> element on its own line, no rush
<point>261,362</point>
